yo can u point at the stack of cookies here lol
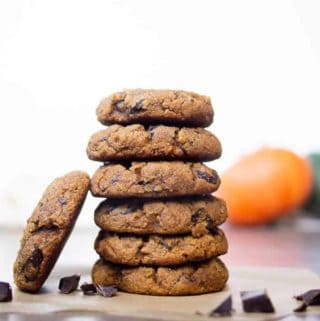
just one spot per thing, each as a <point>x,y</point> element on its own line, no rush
<point>158,223</point>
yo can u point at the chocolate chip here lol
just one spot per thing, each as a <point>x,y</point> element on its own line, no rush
<point>69,284</point>
<point>88,289</point>
<point>195,216</point>
<point>256,301</point>
<point>311,297</point>
<point>213,179</point>
<point>141,182</point>
<point>224,309</point>
<point>103,139</point>
<point>62,200</point>
<point>138,107</point>
<point>32,265</point>
<point>106,291</point>
<point>5,292</point>
<point>211,227</point>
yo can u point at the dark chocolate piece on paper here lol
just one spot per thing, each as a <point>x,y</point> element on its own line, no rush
<point>224,309</point>
<point>106,291</point>
<point>5,292</point>
<point>88,289</point>
<point>311,297</point>
<point>256,301</point>
<point>69,284</point>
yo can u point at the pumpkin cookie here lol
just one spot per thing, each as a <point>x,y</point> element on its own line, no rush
<point>135,142</point>
<point>159,250</point>
<point>192,278</point>
<point>194,215</point>
<point>177,107</point>
<point>154,179</point>
<point>48,228</point>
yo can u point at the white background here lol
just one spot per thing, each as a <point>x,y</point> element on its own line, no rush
<point>258,60</point>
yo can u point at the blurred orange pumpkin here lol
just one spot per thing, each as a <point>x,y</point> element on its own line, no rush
<point>265,185</point>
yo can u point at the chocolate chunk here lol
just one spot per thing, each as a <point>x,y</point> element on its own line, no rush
<point>106,291</point>
<point>213,179</point>
<point>62,201</point>
<point>88,289</point>
<point>256,301</point>
<point>69,284</point>
<point>103,139</point>
<point>311,297</point>
<point>195,216</point>
<point>32,265</point>
<point>211,227</point>
<point>138,107</point>
<point>5,292</point>
<point>224,309</point>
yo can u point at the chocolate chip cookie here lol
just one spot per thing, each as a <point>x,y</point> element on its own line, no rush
<point>154,179</point>
<point>48,228</point>
<point>136,142</point>
<point>194,278</point>
<point>177,107</point>
<point>159,250</point>
<point>196,215</point>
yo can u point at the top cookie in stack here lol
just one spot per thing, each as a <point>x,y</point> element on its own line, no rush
<point>158,190</point>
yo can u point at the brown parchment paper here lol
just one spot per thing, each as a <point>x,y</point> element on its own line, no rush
<point>281,283</point>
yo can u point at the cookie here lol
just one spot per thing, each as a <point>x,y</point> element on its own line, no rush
<point>173,107</point>
<point>136,142</point>
<point>194,215</point>
<point>154,179</point>
<point>159,250</point>
<point>48,229</point>
<point>194,278</point>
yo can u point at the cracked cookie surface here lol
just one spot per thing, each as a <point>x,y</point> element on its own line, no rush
<point>195,215</point>
<point>136,142</point>
<point>194,278</point>
<point>154,179</point>
<point>48,229</point>
<point>159,250</point>
<point>173,107</point>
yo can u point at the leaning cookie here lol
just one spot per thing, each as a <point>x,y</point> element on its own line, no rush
<point>173,107</point>
<point>160,250</point>
<point>196,215</point>
<point>192,278</point>
<point>136,142</point>
<point>154,179</point>
<point>48,228</point>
